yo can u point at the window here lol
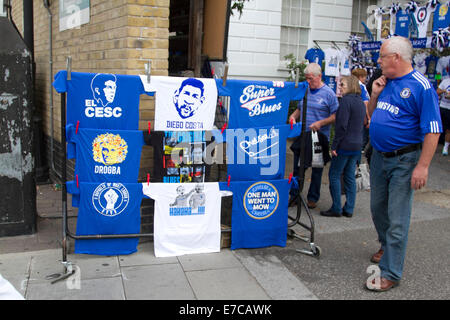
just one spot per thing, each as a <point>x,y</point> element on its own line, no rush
<point>359,15</point>
<point>295,25</point>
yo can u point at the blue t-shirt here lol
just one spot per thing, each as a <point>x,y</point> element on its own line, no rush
<point>107,208</point>
<point>402,21</point>
<point>102,101</point>
<point>441,18</point>
<point>315,55</point>
<point>105,155</point>
<point>406,110</point>
<point>331,82</point>
<point>322,103</point>
<point>364,94</point>
<point>259,103</point>
<point>259,213</point>
<point>257,153</point>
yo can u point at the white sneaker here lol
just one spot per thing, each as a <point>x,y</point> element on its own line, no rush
<point>445,152</point>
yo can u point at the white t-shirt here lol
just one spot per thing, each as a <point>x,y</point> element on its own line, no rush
<point>184,104</point>
<point>8,292</point>
<point>187,217</point>
<point>445,99</point>
<point>422,16</point>
<point>442,67</point>
<point>344,62</point>
<point>331,62</point>
<point>420,62</point>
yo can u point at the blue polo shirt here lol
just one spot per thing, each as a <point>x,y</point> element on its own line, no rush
<point>322,103</point>
<point>407,109</point>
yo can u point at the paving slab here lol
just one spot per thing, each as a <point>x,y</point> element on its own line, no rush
<point>225,284</point>
<point>160,282</point>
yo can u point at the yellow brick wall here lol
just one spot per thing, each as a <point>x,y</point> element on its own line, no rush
<point>120,38</point>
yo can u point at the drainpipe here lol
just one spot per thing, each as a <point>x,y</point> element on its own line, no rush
<point>50,91</point>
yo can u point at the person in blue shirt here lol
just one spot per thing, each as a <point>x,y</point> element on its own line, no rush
<point>346,147</point>
<point>404,132</point>
<point>361,74</point>
<point>322,105</point>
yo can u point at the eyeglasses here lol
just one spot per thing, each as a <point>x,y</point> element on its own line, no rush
<point>382,56</point>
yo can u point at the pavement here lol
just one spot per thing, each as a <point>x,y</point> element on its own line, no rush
<point>32,262</point>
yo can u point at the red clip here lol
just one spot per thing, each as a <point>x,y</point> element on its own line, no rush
<point>78,125</point>
<point>290,177</point>
<point>224,127</point>
<point>164,162</point>
<point>78,184</point>
<point>149,126</point>
<point>148,178</point>
<point>292,123</point>
<point>229,178</point>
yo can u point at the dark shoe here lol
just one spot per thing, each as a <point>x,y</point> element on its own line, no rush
<point>311,204</point>
<point>330,213</point>
<point>381,284</point>
<point>346,214</point>
<point>377,256</point>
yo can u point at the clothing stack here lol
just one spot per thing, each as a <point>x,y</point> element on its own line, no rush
<point>256,149</point>
<point>103,136</point>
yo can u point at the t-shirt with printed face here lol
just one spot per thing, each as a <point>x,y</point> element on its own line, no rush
<point>259,103</point>
<point>187,217</point>
<point>105,155</point>
<point>102,101</point>
<point>184,104</point>
<point>107,209</point>
<point>259,214</point>
<point>406,110</point>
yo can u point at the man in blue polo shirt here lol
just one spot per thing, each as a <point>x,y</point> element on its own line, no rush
<point>404,131</point>
<point>320,114</point>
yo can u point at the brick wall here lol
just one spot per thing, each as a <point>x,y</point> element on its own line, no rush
<point>120,38</point>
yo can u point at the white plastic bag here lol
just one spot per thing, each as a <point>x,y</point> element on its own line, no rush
<point>317,154</point>
<point>362,178</point>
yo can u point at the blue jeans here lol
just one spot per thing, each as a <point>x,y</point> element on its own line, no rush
<point>391,199</point>
<point>347,166</point>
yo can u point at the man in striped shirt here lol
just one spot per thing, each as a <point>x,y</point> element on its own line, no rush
<point>404,131</point>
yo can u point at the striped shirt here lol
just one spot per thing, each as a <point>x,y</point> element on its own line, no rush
<point>407,109</point>
<point>322,103</point>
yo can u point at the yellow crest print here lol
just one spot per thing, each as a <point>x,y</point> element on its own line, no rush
<point>109,149</point>
<point>443,10</point>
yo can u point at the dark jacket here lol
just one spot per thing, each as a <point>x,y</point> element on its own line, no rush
<point>348,134</point>
<point>295,147</point>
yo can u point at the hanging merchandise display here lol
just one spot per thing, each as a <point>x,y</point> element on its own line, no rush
<point>180,156</point>
<point>259,215</point>
<point>257,153</point>
<point>441,18</point>
<point>421,15</point>
<point>105,155</point>
<point>259,103</point>
<point>107,209</point>
<point>331,62</point>
<point>186,218</point>
<point>315,55</point>
<point>101,101</point>
<point>184,104</point>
